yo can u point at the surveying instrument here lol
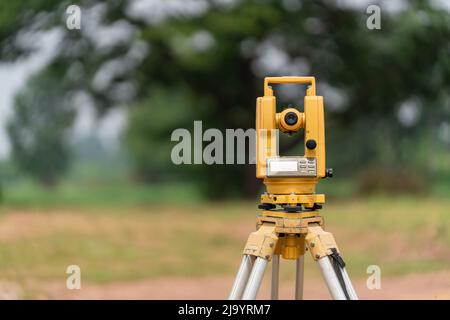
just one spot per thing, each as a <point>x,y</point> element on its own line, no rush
<point>289,222</point>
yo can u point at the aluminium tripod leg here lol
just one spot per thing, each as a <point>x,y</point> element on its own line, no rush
<point>324,250</point>
<point>331,279</point>
<point>349,284</point>
<point>241,278</point>
<point>299,276</point>
<point>260,244</point>
<point>254,282</point>
<point>275,277</point>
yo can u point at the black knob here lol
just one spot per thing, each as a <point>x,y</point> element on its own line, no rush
<point>292,209</point>
<point>291,118</point>
<point>266,206</point>
<point>311,144</point>
<point>329,173</point>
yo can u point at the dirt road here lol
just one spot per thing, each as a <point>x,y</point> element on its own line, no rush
<point>414,286</point>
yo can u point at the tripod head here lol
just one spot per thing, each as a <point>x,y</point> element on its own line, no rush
<point>290,174</point>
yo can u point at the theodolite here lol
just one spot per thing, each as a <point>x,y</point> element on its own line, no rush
<point>289,222</point>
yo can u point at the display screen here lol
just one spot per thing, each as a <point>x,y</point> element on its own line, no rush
<point>283,166</point>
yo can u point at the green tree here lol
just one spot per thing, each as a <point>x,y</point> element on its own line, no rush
<point>217,54</point>
<point>223,54</point>
<point>39,129</point>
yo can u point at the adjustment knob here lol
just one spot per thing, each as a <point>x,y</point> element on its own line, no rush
<point>329,173</point>
<point>311,144</point>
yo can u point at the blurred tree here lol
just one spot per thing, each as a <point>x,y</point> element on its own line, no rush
<point>205,60</point>
<point>366,76</point>
<point>39,129</point>
<point>149,130</point>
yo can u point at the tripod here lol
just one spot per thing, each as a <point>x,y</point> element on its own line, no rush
<point>289,223</point>
<point>289,235</point>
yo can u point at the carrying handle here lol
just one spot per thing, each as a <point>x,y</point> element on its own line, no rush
<point>311,91</point>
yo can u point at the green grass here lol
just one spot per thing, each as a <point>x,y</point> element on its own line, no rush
<point>401,235</point>
<point>115,190</point>
<point>29,194</point>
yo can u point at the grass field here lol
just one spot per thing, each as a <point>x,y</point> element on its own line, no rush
<point>196,241</point>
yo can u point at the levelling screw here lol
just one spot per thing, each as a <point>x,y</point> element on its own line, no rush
<point>267,257</point>
<point>317,256</point>
<point>312,245</point>
<point>271,244</point>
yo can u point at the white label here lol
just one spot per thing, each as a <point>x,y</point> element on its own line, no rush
<point>283,166</point>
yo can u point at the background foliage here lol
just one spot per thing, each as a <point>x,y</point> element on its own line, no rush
<point>386,91</point>
<point>130,218</point>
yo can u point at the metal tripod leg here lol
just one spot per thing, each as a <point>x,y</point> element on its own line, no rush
<point>331,280</point>
<point>324,250</point>
<point>275,277</point>
<point>339,289</point>
<point>299,276</point>
<point>254,282</point>
<point>349,285</point>
<point>260,244</point>
<point>241,278</point>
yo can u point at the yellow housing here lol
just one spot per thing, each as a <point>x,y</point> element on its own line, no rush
<point>268,122</point>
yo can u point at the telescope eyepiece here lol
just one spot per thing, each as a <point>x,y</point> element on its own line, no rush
<point>291,118</point>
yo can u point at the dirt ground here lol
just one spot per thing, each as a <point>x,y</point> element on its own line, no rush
<point>114,248</point>
<point>414,286</point>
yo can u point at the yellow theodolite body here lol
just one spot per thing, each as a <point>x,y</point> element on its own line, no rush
<point>290,179</point>
<point>289,223</point>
